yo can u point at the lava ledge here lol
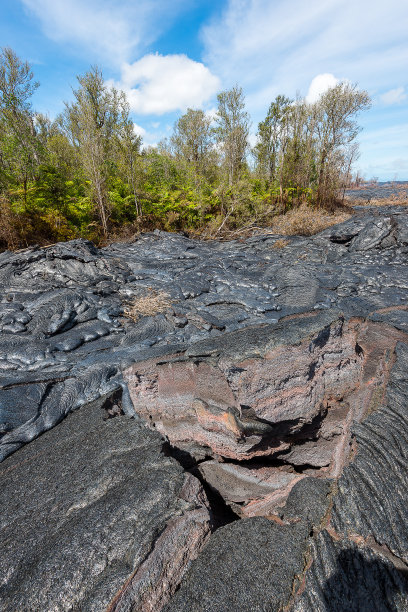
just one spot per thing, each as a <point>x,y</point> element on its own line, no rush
<point>257,410</point>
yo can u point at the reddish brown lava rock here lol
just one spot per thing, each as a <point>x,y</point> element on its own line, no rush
<point>250,491</point>
<point>291,405</point>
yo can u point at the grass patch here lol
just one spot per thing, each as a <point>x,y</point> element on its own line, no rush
<point>307,221</point>
<point>392,200</point>
<point>280,243</point>
<point>148,305</point>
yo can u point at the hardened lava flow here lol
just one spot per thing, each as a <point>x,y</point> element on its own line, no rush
<point>191,426</point>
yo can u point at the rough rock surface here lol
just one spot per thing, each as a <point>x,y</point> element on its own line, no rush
<point>277,378</point>
<point>91,513</point>
<point>250,564</point>
<point>286,397</point>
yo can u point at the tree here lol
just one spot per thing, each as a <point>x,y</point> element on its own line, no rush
<point>21,149</point>
<point>336,129</point>
<point>272,137</point>
<point>232,130</point>
<point>297,164</point>
<point>92,122</point>
<point>192,138</point>
<point>308,149</point>
<point>128,145</point>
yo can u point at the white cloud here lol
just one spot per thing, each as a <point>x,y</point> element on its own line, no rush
<point>105,29</point>
<point>319,85</point>
<point>252,139</point>
<point>394,96</point>
<point>211,113</point>
<point>157,84</point>
<point>149,138</point>
<point>139,130</point>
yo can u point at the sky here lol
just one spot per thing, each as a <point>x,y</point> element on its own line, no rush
<point>170,56</point>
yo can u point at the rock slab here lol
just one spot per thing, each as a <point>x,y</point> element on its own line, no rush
<point>95,517</point>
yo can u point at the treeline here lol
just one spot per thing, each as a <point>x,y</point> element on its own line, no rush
<point>86,173</point>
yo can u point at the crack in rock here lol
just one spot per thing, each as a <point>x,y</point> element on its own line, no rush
<point>289,409</point>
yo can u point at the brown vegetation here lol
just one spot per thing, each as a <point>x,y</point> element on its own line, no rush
<point>307,221</point>
<point>280,243</point>
<point>395,199</point>
<point>148,305</point>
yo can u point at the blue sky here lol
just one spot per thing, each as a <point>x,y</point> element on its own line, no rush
<point>169,56</point>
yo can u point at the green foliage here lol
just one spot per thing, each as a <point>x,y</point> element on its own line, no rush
<point>308,149</point>
<point>192,139</point>
<point>232,131</point>
<point>85,174</point>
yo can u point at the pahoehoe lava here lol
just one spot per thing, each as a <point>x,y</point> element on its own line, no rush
<point>243,449</point>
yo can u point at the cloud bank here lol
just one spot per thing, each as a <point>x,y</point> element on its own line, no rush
<point>158,84</point>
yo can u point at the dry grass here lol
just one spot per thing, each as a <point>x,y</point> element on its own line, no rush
<point>9,235</point>
<point>399,196</point>
<point>306,221</point>
<point>147,305</point>
<point>280,243</point>
<point>393,200</point>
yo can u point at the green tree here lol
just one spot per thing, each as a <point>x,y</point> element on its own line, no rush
<point>128,145</point>
<point>272,137</point>
<point>296,166</point>
<point>192,138</point>
<point>21,149</point>
<point>232,131</point>
<point>92,122</point>
<point>336,129</point>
